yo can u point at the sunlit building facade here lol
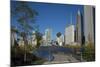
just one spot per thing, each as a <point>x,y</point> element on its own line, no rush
<point>69,35</point>
<point>89,23</point>
<point>47,36</point>
<point>60,40</point>
<point>33,39</point>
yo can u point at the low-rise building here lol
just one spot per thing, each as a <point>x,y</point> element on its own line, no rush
<point>60,40</point>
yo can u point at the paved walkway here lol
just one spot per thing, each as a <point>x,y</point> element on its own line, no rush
<point>62,58</point>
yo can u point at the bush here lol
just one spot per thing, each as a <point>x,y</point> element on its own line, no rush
<point>73,46</point>
<point>17,56</point>
<point>89,52</point>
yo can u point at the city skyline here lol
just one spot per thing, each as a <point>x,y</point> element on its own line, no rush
<point>54,16</point>
<point>48,33</point>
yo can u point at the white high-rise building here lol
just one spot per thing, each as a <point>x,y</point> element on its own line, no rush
<point>89,23</point>
<point>69,35</point>
<point>33,38</point>
<point>48,36</point>
<point>13,38</point>
<point>43,41</point>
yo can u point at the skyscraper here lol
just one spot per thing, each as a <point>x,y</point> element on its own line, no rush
<point>43,40</point>
<point>89,23</point>
<point>69,35</point>
<point>34,40</point>
<point>79,28</point>
<point>48,36</point>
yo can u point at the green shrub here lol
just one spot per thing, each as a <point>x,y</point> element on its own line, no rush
<point>89,52</point>
<point>17,56</point>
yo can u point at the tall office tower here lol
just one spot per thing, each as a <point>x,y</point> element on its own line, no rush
<point>34,40</point>
<point>69,35</point>
<point>89,23</point>
<point>79,28</point>
<point>43,40</point>
<point>48,36</point>
<point>13,37</point>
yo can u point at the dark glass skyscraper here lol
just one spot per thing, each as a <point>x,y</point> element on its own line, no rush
<point>79,28</point>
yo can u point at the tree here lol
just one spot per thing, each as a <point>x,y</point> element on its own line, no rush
<point>58,34</point>
<point>39,38</point>
<point>25,17</point>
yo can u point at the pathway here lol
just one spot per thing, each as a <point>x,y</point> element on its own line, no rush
<point>62,58</point>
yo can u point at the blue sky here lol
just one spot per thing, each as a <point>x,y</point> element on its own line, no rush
<point>54,16</point>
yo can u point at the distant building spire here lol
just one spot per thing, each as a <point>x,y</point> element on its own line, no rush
<point>78,12</point>
<point>71,19</point>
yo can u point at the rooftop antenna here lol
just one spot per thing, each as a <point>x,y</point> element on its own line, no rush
<point>71,19</point>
